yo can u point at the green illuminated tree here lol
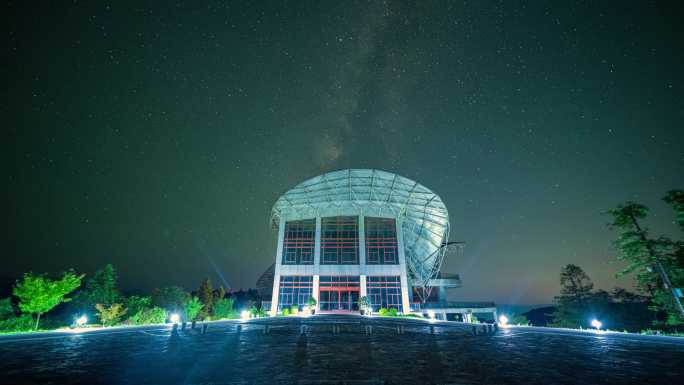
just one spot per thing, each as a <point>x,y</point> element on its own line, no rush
<point>225,308</point>
<point>193,308</point>
<point>658,264</point>
<point>171,298</point>
<point>101,288</point>
<point>39,294</point>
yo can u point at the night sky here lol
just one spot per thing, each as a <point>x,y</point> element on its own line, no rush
<point>157,137</point>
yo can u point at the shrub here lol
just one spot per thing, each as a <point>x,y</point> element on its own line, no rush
<point>149,315</point>
<point>23,323</point>
<point>225,308</point>
<point>286,311</point>
<point>383,311</point>
<point>311,301</point>
<point>110,315</point>
<point>256,312</point>
<point>393,312</point>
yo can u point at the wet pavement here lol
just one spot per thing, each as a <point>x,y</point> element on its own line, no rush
<point>338,350</point>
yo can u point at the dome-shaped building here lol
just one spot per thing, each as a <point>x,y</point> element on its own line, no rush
<point>353,233</point>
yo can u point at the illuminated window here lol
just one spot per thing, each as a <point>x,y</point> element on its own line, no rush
<point>384,292</point>
<point>298,243</point>
<point>339,241</point>
<point>381,241</point>
<point>294,290</point>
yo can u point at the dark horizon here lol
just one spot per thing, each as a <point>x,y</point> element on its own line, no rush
<point>157,138</point>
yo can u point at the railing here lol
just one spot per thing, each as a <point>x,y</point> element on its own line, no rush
<point>452,304</point>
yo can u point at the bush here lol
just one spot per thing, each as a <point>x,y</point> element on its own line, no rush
<point>23,323</point>
<point>149,315</point>
<point>256,312</point>
<point>393,312</point>
<point>225,308</point>
<point>286,311</point>
<point>311,301</point>
<point>383,311</point>
<point>110,315</point>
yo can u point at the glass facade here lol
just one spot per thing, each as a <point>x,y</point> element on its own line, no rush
<point>338,293</point>
<point>340,241</point>
<point>299,241</point>
<point>294,290</point>
<point>384,291</point>
<point>381,241</point>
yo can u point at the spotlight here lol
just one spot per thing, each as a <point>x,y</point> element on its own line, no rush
<point>596,323</point>
<point>174,318</point>
<point>431,315</point>
<point>244,315</point>
<point>82,320</point>
<point>503,320</point>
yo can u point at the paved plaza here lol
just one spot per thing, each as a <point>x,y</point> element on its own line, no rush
<point>337,350</point>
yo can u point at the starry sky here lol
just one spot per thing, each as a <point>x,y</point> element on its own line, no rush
<point>157,135</point>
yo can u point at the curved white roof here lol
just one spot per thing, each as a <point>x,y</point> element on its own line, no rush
<point>425,220</point>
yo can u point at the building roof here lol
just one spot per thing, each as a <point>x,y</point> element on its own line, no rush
<point>425,220</point>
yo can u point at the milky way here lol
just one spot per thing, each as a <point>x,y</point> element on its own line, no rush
<point>158,137</point>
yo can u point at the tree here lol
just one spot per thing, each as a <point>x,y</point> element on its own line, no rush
<point>576,287</point>
<point>171,298</point>
<point>101,288</point>
<point>219,294</point>
<point>654,261</point>
<point>136,303</point>
<point>675,198</point>
<point>225,308</point>
<point>39,294</point>
<point>193,308</point>
<point>110,315</point>
<point>206,296</point>
<point>6,309</point>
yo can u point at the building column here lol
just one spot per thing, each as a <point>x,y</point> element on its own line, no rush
<point>317,244</point>
<point>314,293</point>
<point>362,242</point>
<point>279,260</point>
<point>405,303</point>
<point>362,286</point>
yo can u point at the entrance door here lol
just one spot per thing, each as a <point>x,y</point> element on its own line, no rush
<point>336,299</point>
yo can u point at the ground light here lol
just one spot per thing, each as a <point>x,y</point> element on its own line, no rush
<point>503,320</point>
<point>596,323</point>
<point>174,318</point>
<point>431,315</point>
<point>82,320</point>
<point>244,315</point>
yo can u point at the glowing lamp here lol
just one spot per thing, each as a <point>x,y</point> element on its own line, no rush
<point>82,320</point>
<point>174,318</point>
<point>244,315</point>
<point>503,320</point>
<point>431,315</point>
<point>596,323</point>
